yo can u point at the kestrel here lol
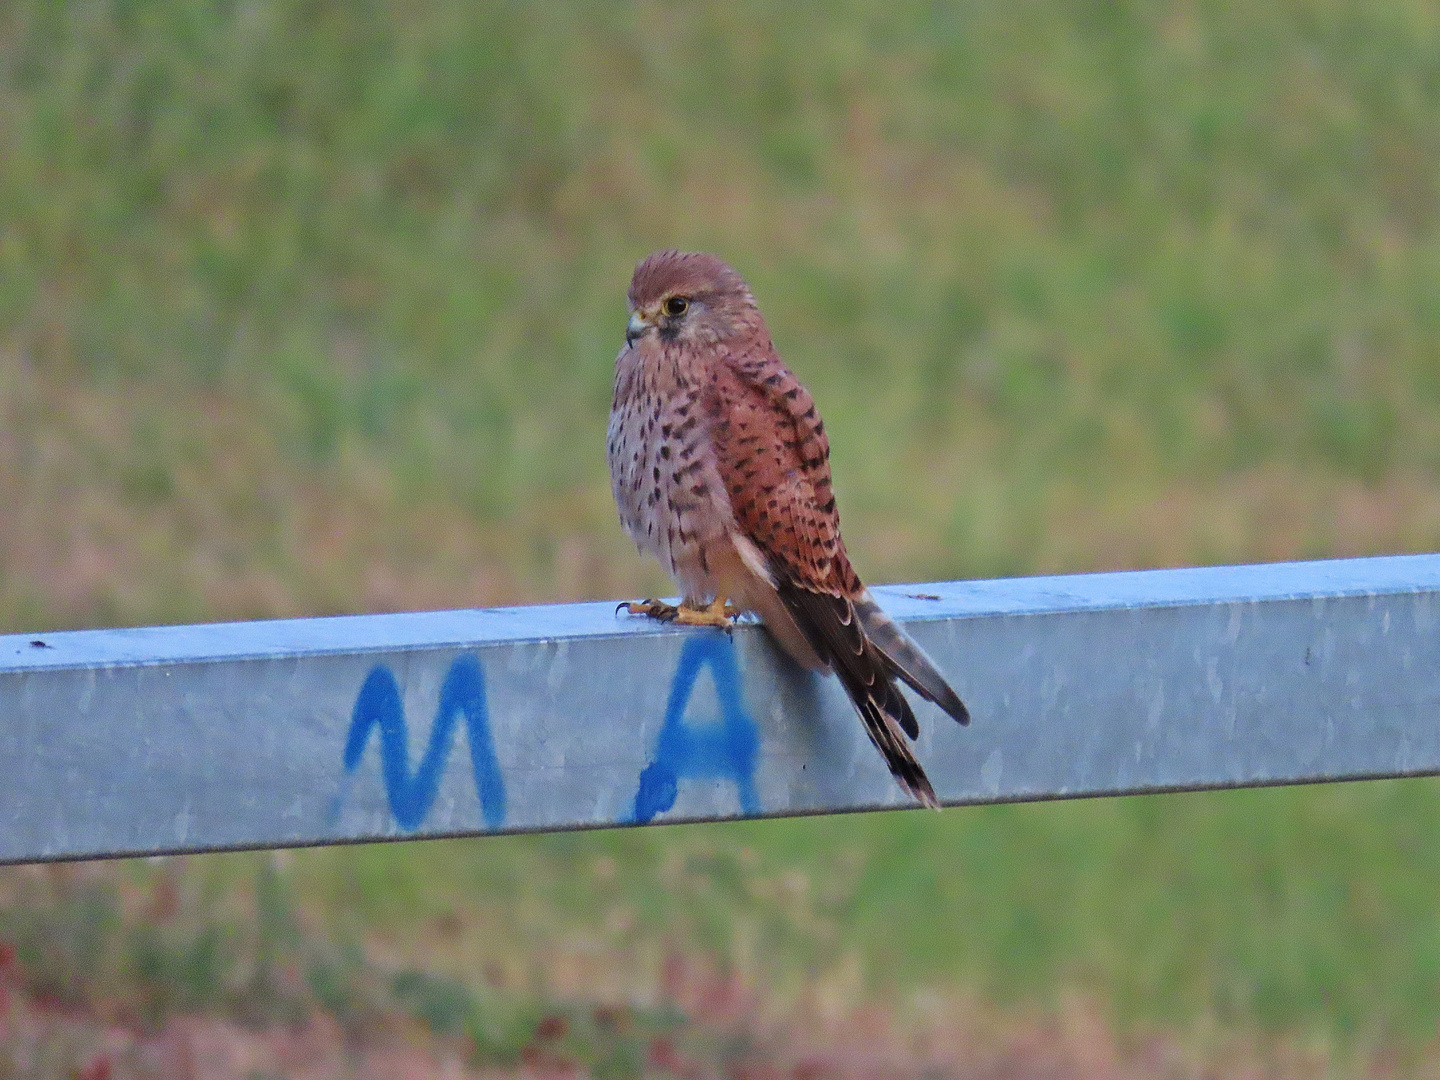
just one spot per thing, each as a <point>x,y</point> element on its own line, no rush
<point>721,470</point>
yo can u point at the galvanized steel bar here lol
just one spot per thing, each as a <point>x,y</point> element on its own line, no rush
<point>312,731</point>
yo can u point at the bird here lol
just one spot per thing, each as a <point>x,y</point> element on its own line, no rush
<point>720,468</point>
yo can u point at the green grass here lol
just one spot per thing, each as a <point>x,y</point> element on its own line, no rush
<point>312,307</point>
<point>1047,245</point>
<point>1292,911</point>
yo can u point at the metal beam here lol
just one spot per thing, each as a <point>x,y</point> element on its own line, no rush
<point>312,731</point>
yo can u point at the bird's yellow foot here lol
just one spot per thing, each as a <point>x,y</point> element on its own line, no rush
<point>719,613</point>
<point>654,609</point>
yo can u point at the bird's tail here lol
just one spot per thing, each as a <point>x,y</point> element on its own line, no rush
<point>836,630</point>
<point>906,659</point>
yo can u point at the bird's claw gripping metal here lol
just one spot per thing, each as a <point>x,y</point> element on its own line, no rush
<point>720,613</point>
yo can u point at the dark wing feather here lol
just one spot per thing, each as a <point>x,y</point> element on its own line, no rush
<point>906,660</point>
<point>835,634</point>
<point>839,635</point>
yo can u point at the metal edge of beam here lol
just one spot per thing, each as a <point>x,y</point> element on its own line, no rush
<point>355,728</point>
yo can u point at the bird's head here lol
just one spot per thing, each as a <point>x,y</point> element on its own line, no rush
<point>687,296</point>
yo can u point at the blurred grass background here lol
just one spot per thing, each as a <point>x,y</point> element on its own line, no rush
<point>312,307</point>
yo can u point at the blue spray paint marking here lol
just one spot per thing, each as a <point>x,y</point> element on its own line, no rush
<point>411,797</point>
<point>702,751</point>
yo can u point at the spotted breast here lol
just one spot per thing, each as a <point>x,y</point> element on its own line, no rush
<point>664,477</point>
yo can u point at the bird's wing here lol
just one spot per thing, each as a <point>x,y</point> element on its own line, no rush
<point>774,459</point>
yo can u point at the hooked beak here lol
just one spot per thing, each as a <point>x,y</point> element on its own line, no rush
<point>637,325</point>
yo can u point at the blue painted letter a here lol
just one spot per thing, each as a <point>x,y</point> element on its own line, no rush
<point>721,750</point>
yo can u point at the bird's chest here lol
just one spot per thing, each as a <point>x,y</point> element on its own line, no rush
<point>662,471</point>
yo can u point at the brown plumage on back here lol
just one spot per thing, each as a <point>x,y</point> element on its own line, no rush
<point>721,469</point>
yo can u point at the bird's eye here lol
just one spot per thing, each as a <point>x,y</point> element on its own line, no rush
<point>676,305</point>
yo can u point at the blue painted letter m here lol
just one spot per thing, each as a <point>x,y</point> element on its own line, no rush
<point>379,705</point>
